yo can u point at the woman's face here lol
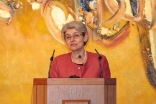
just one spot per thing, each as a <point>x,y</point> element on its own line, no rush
<point>74,39</point>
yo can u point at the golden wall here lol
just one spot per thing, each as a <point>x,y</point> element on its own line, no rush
<point>26,46</point>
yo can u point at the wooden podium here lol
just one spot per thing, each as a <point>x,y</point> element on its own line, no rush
<point>74,91</point>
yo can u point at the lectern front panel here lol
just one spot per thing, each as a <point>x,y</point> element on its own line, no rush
<point>75,92</point>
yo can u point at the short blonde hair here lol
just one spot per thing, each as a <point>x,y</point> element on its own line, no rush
<point>79,26</point>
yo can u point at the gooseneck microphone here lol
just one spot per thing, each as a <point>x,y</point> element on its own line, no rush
<point>99,59</point>
<point>74,76</point>
<point>51,59</point>
<point>79,56</point>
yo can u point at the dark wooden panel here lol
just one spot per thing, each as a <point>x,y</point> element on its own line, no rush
<point>110,94</point>
<point>110,81</point>
<point>34,94</point>
<point>40,81</point>
<point>76,101</point>
<point>41,94</point>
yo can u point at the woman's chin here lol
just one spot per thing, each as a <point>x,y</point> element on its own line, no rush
<point>74,49</point>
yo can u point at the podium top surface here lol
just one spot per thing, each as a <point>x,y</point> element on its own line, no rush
<point>74,81</point>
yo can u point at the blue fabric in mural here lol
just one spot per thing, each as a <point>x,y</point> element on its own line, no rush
<point>85,5</point>
<point>133,4</point>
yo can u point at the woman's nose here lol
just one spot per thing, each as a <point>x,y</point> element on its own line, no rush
<point>72,38</point>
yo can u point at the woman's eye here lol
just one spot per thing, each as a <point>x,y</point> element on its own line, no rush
<point>68,37</point>
<point>77,35</point>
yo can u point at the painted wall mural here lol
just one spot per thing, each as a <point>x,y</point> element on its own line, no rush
<point>123,30</point>
<point>7,9</point>
<point>109,31</point>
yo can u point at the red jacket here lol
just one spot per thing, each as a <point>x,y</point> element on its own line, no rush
<point>63,67</point>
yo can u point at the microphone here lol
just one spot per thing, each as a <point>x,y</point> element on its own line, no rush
<point>51,59</point>
<point>99,58</point>
<point>99,55</point>
<point>79,56</point>
<point>74,76</point>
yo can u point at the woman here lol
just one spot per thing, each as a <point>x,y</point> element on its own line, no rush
<point>78,63</point>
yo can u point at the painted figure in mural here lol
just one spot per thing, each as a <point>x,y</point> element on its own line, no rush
<point>78,63</point>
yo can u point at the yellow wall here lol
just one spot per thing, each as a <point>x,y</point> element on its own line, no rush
<point>26,47</point>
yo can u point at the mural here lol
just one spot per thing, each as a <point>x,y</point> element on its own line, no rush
<point>7,9</point>
<point>108,31</point>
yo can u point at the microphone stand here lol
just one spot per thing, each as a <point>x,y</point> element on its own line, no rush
<point>99,59</point>
<point>51,60</point>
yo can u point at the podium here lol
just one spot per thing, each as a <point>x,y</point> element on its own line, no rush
<point>74,91</point>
